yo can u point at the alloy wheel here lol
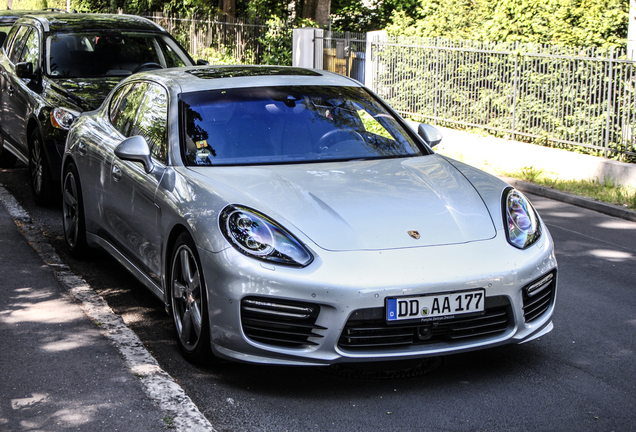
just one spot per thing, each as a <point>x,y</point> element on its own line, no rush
<point>187,297</point>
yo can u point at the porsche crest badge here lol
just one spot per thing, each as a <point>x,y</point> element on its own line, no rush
<point>414,234</point>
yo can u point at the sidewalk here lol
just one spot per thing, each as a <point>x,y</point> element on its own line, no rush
<point>69,363</point>
<point>58,371</point>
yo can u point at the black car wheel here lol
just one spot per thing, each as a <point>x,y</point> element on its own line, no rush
<point>73,211</point>
<point>39,170</point>
<point>188,301</point>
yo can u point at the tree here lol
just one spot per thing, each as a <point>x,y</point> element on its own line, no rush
<point>317,10</point>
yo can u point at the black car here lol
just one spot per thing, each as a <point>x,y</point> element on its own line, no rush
<point>53,66</point>
<point>10,16</point>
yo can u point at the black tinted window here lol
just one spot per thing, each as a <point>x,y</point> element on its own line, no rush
<point>31,51</point>
<point>290,124</point>
<point>109,53</point>
<point>18,44</point>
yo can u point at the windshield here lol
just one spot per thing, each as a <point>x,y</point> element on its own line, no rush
<point>109,53</point>
<point>289,124</point>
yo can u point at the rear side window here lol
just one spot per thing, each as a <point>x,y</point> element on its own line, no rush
<point>18,44</point>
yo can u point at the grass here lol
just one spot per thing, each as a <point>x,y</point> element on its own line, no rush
<point>604,191</point>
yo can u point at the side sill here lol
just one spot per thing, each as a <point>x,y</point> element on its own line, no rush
<point>7,145</point>
<point>93,239</point>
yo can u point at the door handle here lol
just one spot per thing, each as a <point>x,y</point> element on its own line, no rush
<point>116,173</point>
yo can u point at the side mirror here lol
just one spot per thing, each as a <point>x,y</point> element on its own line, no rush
<point>430,134</point>
<point>135,149</point>
<point>202,62</point>
<point>24,70</point>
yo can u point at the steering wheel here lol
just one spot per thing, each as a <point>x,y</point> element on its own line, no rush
<point>337,135</point>
<point>149,65</point>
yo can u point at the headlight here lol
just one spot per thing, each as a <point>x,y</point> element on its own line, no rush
<point>257,236</point>
<point>63,118</point>
<point>522,223</point>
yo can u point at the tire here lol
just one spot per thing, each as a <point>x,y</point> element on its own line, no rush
<point>188,302</point>
<point>73,220</point>
<point>41,180</point>
<point>7,159</point>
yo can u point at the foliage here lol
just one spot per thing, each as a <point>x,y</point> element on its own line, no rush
<point>215,57</point>
<point>601,23</point>
<point>277,41</point>
<point>368,15</point>
<point>605,191</point>
<point>34,4</point>
<point>548,94</point>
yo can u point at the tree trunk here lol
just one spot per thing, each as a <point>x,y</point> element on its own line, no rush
<point>317,10</point>
<point>229,7</point>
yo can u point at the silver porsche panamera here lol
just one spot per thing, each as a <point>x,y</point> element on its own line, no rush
<point>289,216</point>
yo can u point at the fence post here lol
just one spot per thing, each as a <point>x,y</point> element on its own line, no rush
<point>257,34</point>
<point>514,91</point>
<point>610,103</point>
<point>437,78</point>
<point>319,48</point>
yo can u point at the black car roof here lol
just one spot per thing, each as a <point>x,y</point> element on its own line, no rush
<point>10,16</point>
<point>55,22</point>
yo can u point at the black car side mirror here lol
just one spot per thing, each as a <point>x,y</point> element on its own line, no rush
<point>202,62</point>
<point>24,70</point>
<point>135,148</point>
<point>430,134</point>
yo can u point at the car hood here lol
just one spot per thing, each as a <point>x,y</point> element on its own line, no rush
<point>365,205</point>
<point>86,93</point>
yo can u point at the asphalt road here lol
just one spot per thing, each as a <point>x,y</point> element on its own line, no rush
<point>581,376</point>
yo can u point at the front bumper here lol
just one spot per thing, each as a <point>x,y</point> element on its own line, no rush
<point>346,293</point>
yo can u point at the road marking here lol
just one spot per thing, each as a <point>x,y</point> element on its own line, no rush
<point>157,383</point>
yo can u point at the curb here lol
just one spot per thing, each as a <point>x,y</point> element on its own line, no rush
<point>158,385</point>
<point>579,201</point>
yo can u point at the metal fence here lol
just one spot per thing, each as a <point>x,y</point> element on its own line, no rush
<point>344,53</point>
<point>240,39</point>
<point>558,96</point>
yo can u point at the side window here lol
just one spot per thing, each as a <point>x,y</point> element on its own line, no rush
<point>172,58</point>
<point>124,106</point>
<point>18,44</point>
<point>31,51</point>
<point>9,40</point>
<point>151,121</point>
<point>142,109</point>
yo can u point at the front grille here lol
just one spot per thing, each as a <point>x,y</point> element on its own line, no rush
<point>367,328</point>
<point>538,296</point>
<point>279,322</point>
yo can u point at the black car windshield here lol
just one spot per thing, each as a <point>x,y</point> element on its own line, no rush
<point>265,125</point>
<point>109,53</point>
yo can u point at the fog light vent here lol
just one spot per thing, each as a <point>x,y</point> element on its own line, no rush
<point>280,322</point>
<point>538,296</point>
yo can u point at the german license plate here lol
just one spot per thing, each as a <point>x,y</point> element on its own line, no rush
<point>430,307</point>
